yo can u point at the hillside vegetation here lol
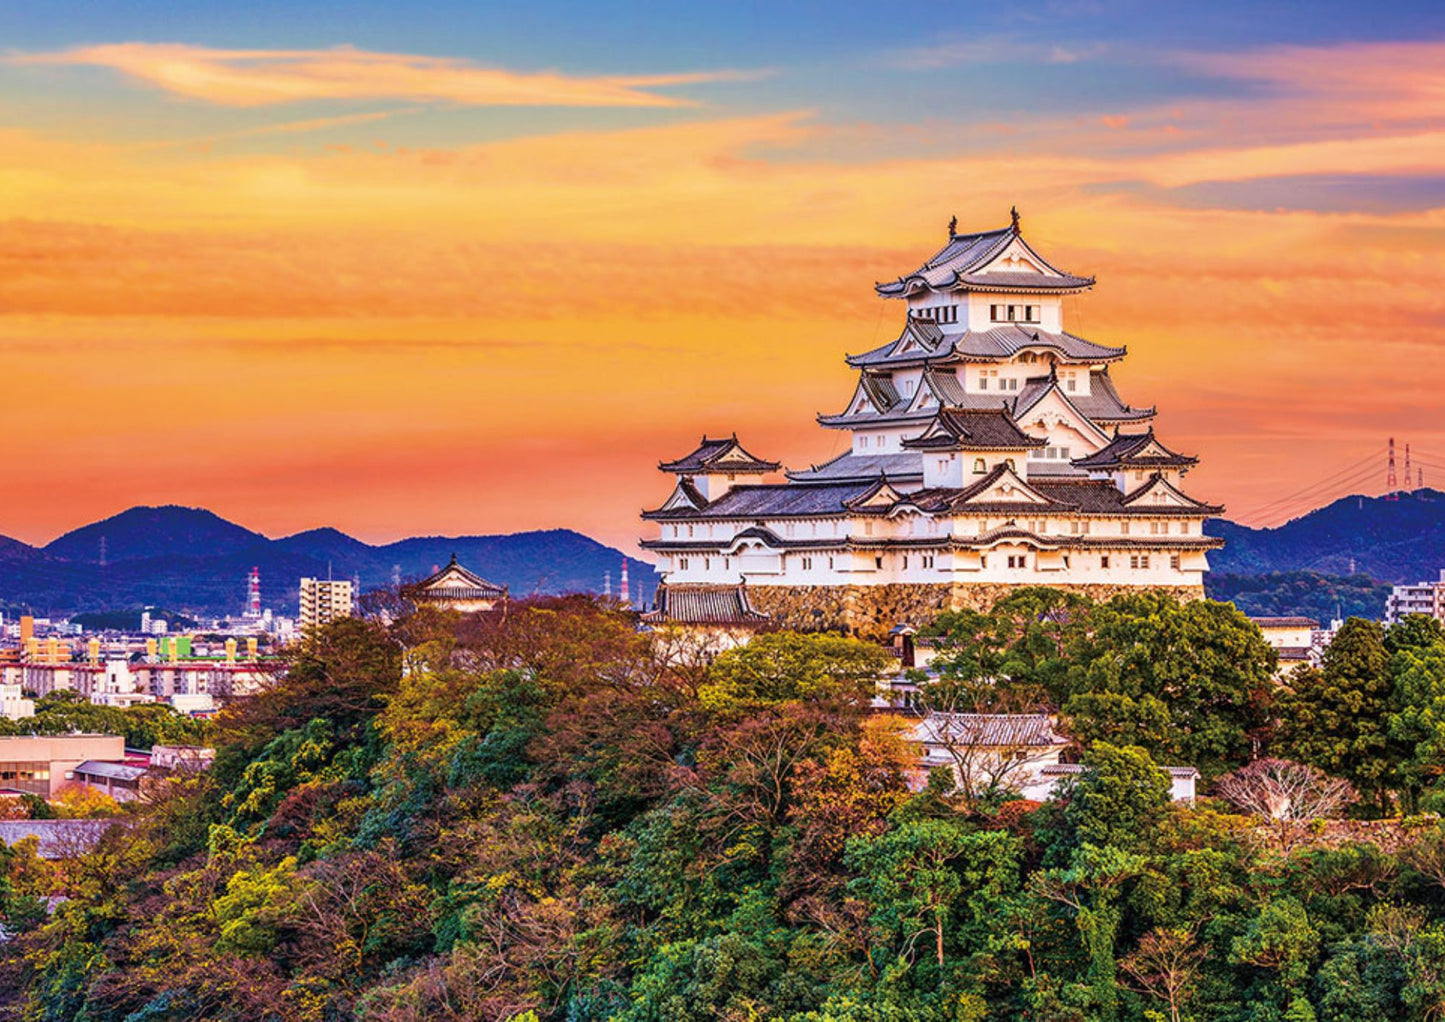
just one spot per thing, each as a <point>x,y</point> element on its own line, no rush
<point>549,818</point>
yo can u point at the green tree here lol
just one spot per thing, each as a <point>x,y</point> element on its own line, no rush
<point>1190,682</point>
<point>1118,800</point>
<point>786,667</point>
<point>1337,717</point>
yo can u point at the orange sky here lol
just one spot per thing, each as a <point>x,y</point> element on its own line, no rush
<point>372,318</point>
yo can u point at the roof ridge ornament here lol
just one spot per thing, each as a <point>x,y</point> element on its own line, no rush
<point>953,228</point>
<point>1014,216</point>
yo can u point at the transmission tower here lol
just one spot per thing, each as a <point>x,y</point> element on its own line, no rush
<point>1391,483</point>
<point>253,595</point>
<point>1407,467</point>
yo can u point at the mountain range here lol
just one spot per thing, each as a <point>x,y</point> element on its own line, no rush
<point>1391,539</point>
<point>192,560</point>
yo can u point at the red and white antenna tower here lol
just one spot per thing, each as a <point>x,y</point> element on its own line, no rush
<point>622,590</point>
<point>253,595</point>
<point>1391,483</point>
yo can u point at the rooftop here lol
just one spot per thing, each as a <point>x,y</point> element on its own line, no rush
<point>720,455</point>
<point>704,605</point>
<point>972,262</point>
<point>923,340</point>
<point>973,430</point>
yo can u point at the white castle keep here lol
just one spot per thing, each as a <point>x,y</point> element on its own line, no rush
<point>990,450</point>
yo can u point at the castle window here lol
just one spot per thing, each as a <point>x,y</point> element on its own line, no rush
<point>707,564</point>
<point>830,562</point>
<point>807,564</point>
<point>867,528</point>
<point>1104,561</point>
<point>979,467</point>
<point>689,532</point>
<point>982,382</point>
<point>1174,561</point>
<point>878,562</point>
<point>1124,528</point>
<point>1070,383</point>
<point>983,560</point>
<point>905,560</point>
<point>682,563</point>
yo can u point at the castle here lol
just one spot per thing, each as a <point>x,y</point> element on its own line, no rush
<point>989,450</point>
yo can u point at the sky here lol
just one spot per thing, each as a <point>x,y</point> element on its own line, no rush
<point>459,268</point>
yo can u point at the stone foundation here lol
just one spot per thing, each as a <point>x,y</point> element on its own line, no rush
<point>870,612</point>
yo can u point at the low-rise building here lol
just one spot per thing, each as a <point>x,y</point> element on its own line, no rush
<point>714,618</point>
<point>456,588</point>
<point>41,764</point>
<point>1292,638</point>
<point>1183,781</point>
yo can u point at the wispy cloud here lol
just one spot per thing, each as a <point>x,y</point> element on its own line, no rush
<point>996,49</point>
<point>262,77</point>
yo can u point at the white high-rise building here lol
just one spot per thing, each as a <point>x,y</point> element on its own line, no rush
<point>989,450</point>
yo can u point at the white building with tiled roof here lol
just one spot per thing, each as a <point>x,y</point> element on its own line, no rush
<point>989,449</point>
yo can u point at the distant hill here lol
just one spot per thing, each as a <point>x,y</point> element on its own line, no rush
<point>196,562</point>
<point>1401,540</point>
<point>1300,593</point>
<point>143,533</point>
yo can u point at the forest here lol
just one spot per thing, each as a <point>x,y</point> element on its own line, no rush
<point>548,816</point>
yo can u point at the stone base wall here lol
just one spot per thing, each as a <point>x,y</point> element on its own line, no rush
<point>870,612</point>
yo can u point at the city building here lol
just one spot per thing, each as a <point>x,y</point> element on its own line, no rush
<point>41,764</point>
<point>1426,598</point>
<point>323,601</point>
<point>456,588</point>
<point>988,449</point>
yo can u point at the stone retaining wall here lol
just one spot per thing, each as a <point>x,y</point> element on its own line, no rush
<point>870,612</point>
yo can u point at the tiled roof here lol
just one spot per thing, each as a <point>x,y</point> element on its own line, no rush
<point>956,265</point>
<point>57,839</point>
<point>779,500</point>
<point>1101,404</point>
<point>995,344</point>
<point>114,771</point>
<point>850,466</point>
<point>972,430</point>
<point>1065,769</point>
<point>704,605</point>
<point>721,455</point>
<point>1285,622</point>
<point>475,587</point>
<point>989,729</point>
<point>1125,449</point>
